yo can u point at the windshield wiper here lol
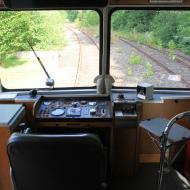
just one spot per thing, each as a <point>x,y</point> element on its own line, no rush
<point>49,82</point>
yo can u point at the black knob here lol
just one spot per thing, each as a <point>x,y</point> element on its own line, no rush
<point>92,111</point>
<point>22,126</point>
<point>120,96</point>
<point>74,104</point>
<point>33,93</point>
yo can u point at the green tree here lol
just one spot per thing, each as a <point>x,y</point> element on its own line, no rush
<point>42,28</point>
<point>138,20</point>
<point>88,18</point>
<point>16,29</point>
<point>72,15</point>
<point>183,31</point>
<point>164,26</point>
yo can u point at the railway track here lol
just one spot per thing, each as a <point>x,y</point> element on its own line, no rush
<point>161,64</point>
<point>91,39</point>
<point>182,59</point>
<point>81,54</point>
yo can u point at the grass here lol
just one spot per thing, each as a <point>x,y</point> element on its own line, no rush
<point>12,61</point>
<point>119,50</point>
<point>129,72</point>
<point>148,38</point>
<point>149,70</point>
<point>135,59</point>
<point>141,38</point>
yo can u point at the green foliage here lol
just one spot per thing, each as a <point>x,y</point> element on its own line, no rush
<point>129,71</point>
<point>119,19</point>
<point>159,44</point>
<point>52,24</point>
<point>162,29</point>
<point>183,31</point>
<point>149,70</point>
<point>172,47</point>
<point>164,26</point>
<point>12,60</point>
<point>41,28</point>
<point>135,59</point>
<point>72,15</point>
<point>119,50</point>
<point>138,20</point>
<point>15,29</point>
<point>88,18</point>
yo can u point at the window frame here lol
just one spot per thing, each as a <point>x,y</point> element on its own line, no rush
<point>141,7</point>
<point>99,12</point>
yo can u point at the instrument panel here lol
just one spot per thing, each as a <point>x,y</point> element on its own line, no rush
<point>76,108</point>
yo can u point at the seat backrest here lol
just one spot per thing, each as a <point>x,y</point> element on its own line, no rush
<point>56,162</point>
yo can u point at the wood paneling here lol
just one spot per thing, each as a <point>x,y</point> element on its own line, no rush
<point>126,145</point>
<point>126,160</point>
<point>168,109</point>
<point>5,182</point>
<point>149,158</point>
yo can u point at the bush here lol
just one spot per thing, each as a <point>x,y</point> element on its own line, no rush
<point>135,59</point>
<point>149,70</point>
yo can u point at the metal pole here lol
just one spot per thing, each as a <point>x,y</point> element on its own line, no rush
<point>105,43</point>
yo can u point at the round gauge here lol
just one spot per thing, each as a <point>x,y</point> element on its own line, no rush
<point>47,103</point>
<point>57,112</point>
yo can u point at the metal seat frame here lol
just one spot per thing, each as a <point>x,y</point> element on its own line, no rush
<point>163,143</point>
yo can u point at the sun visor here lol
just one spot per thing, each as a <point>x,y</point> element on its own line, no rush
<point>53,4</point>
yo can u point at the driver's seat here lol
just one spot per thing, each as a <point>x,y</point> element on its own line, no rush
<point>56,162</point>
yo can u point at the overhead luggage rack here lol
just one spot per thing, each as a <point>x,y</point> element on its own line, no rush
<point>165,133</point>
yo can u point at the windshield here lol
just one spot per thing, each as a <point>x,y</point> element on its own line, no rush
<point>151,46</point>
<point>66,42</point>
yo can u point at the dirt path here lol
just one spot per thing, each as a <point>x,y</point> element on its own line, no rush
<point>79,70</point>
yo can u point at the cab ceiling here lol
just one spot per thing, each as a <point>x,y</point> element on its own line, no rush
<point>17,4</point>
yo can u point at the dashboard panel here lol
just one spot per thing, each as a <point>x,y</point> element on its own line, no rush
<point>73,109</point>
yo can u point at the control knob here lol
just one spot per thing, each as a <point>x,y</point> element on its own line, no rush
<point>92,111</point>
<point>121,96</point>
<point>74,104</point>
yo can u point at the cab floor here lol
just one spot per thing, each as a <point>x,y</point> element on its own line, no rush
<point>146,179</point>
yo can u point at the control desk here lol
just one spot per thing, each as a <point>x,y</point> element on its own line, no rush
<point>73,109</point>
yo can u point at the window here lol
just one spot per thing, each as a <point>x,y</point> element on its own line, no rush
<point>67,43</point>
<point>151,46</point>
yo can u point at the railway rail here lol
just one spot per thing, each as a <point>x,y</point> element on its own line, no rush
<point>91,39</point>
<point>162,65</point>
<point>182,59</point>
<point>80,55</point>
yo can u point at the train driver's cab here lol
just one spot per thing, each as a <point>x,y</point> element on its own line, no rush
<point>94,94</point>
